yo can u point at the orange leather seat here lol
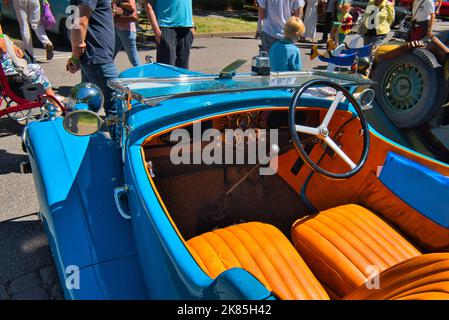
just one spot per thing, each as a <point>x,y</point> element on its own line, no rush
<point>343,246</point>
<point>424,277</point>
<point>262,250</point>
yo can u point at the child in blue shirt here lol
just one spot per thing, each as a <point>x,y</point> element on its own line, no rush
<point>284,55</point>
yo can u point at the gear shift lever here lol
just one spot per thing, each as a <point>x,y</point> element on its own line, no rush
<point>274,151</point>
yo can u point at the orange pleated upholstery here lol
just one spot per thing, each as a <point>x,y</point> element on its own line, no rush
<point>344,245</point>
<point>262,250</point>
<point>424,277</point>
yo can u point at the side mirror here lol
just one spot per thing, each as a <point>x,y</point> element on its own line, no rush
<point>82,123</point>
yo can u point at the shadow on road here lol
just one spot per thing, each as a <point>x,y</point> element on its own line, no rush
<point>10,163</point>
<point>24,249</point>
<point>9,127</point>
<point>63,90</point>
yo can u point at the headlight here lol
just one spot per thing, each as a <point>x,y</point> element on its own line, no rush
<point>366,98</point>
<point>86,96</point>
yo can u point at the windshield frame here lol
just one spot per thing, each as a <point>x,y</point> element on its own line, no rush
<point>183,86</point>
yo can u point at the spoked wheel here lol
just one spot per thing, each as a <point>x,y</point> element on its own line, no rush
<point>18,116</point>
<point>409,89</point>
<point>404,86</point>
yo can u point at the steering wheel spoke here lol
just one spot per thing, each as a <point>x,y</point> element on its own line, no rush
<point>332,108</point>
<point>331,144</point>
<point>323,133</point>
<point>307,130</point>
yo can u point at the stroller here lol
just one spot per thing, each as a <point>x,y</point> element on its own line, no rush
<point>20,101</point>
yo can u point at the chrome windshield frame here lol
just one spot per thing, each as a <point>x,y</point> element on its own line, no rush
<point>272,82</point>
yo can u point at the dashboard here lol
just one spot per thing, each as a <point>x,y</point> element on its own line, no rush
<point>257,120</point>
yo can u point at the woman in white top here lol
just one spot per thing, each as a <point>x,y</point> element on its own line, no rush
<point>423,18</point>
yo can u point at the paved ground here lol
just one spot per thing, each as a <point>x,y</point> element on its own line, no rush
<point>26,267</point>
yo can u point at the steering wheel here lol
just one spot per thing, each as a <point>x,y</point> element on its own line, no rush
<point>323,133</point>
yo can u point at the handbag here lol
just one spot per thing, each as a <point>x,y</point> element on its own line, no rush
<point>121,15</point>
<point>48,19</point>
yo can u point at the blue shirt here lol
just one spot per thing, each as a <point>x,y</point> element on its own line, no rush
<point>100,38</point>
<point>285,56</point>
<point>173,13</point>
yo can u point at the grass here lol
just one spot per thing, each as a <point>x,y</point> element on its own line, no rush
<point>214,25</point>
<point>217,25</point>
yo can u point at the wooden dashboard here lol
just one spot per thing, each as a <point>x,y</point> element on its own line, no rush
<point>275,118</point>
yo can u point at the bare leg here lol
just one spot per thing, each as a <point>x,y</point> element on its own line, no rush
<point>50,92</point>
<point>22,17</point>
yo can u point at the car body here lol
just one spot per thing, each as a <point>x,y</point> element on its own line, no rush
<point>60,9</point>
<point>131,247</point>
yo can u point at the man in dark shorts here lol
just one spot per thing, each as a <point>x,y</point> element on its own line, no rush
<point>93,43</point>
<point>172,23</point>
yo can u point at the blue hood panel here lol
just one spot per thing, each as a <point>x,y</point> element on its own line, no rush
<point>75,179</point>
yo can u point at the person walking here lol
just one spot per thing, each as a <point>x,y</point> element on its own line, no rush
<point>125,19</point>
<point>423,19</point>
<point>29,14</point>
<point>172,23</point>
<point>377,19</point>
<point>93,44</point>
<point>259,22</point>
<point>331,14</point>
<point>274,14</point>
<point>310,20</point>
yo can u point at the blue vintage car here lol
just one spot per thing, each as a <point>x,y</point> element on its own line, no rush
<point>134,208</point>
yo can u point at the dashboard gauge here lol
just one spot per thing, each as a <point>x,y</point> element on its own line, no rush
<point>260,120</point>
<point>224,123</point>
<point>244,121</point>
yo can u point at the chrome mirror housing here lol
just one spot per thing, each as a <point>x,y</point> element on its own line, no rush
<point>82,123</point>
<point>86,96</point>
<point>366,98</point>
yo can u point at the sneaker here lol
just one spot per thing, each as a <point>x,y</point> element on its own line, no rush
<point>330,46</point>
<point>314,52</point>
<point>49,50</point>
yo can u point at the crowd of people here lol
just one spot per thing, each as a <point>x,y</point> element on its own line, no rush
<point>105,27</point>
<point>275,22</point>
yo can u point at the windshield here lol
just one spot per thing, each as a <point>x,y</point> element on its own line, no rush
<point>153,90</point>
